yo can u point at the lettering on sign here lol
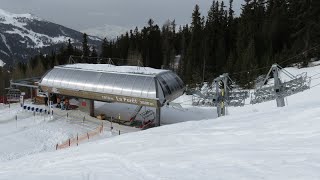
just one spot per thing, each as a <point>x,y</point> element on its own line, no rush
<point>108,98</point>
<point>146,103</point>
<point>127,100</point>
<point>55,90</point>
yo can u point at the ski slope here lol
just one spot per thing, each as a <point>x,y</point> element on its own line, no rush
<point>253,142</point>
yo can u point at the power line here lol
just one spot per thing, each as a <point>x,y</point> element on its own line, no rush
<point>314,75</point>
<point>299,54</point>
<point>315,85</point>
<point>247,71</point>
<point>251,70</point>
<point>315,78</point>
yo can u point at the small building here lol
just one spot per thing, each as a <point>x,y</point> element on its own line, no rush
<point>141,86</point>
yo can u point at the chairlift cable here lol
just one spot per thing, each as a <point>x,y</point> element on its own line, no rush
<point>318,45</point>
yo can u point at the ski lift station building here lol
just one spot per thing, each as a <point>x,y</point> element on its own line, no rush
<point>140,86</point>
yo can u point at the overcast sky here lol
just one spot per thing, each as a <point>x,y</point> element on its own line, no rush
<point>84,14</point>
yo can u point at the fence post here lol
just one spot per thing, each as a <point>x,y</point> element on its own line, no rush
<point>69,142</point>
<point>119,132</point>
<point>111,123</point>
<point>67,115</point>
<point>57,146</point>
<point>77,139</point>
<point>16,121</point>
<point>88,135</point>
<point>101,128</point>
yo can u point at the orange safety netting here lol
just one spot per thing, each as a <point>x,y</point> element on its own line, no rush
<point>80,138</point>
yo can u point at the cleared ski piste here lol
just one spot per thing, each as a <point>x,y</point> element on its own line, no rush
<point>253,142</point>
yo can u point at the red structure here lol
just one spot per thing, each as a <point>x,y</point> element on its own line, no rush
<point>3,99</point>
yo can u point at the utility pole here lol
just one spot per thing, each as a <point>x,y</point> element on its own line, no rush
<point>221,98</point>
<point>278,88</point>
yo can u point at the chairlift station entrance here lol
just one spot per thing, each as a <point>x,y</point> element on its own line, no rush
<point>108,83</point>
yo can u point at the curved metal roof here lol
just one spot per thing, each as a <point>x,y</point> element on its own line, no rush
<point>113,86</point>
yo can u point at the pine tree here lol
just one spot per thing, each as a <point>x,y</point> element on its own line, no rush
<point>104,48</point>
<point>194,53</point>
<point>69,48</point>
<point>85,48</point>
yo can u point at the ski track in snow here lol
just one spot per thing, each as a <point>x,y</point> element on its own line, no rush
<point>5,42</point>
<point>2,63</point>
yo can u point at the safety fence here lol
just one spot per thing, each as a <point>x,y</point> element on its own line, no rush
<point>80,138</point>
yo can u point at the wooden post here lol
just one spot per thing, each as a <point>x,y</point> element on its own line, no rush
<point>69,142</point>
<point>88,135</point>
<point>77,139</point>
<point>57,146</point>
<point>119,132</point>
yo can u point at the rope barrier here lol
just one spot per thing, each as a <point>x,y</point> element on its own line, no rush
<point>80,138</point>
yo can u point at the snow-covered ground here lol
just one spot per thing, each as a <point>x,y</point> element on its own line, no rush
<point>113,68</point>
<point>253,142</point>
<point>19,23</point>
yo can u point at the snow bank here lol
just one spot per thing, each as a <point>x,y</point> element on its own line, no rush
<point>253,142</point>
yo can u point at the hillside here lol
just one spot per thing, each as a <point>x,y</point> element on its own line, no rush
<point>253,142</point>
<point>107,31</point>
<point>24,35</point>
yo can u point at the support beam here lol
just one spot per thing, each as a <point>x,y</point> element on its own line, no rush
<point>91,108</point>
<point>158,116</point>
<point>278,86</point>
<point>23,85</point>
<point>31,93</point>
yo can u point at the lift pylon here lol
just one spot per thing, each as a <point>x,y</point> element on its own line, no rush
<point>280,88</point>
